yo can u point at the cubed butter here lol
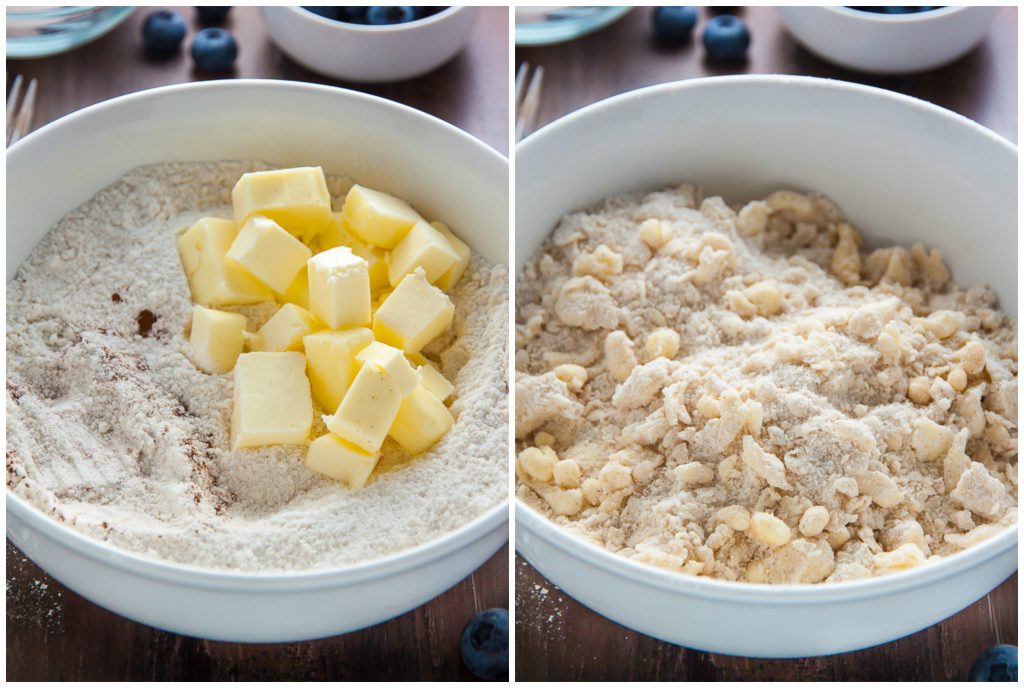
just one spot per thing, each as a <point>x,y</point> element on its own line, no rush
<point>434,382</point>
<point>286,328</point>
<point>253,342</point>
<point>341,460</point>
<point>454,273</point>
<point>331,363</point>
<point>339,288</point>
<point>334,234</point>
<point>298,290</point>
<point>423,247</point>
<point>217,339</point>
<point>414,313</point>
<point>421,421</point>
<point>272,402</point>
<point>269,253</point>
<point>394,362</point>
<point>377,217</point>
<point>337,234</point>
<point>212,279</point>
<point>369,408</point>
<point>296,198</point>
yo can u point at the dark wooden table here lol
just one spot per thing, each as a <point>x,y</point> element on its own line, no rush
<point>559,639</point>
<point>52,633</point>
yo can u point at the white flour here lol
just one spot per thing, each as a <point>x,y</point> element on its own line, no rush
<point>119,436</point>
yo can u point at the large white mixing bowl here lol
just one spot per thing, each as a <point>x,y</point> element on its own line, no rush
<point>902,171</point>
<point>441,170</point>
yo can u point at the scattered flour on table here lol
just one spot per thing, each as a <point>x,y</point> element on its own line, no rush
<point>744,393</point>
<point>112,431</point>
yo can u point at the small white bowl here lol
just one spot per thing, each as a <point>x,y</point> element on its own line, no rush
<point>370,54</point>
<point>888,43</point>
<point>902,170</point>
<point>438,168</point>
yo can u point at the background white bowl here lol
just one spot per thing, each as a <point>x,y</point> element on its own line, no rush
<point>902,171</point>
<point>441,170</point>
<point>888,43</point>
<point>374,54</point>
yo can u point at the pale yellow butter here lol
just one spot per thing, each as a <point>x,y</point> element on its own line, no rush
<point>413,314</point>
<point>450,278</point>
<point>331,363</point>
<point>298,290</point>
<point>212,279</point>
<point>434,382</point>
<point>369,408</point>
<point>337,234</point>
<point>286,328</point>
<point>341,460</point>
<point>269,253</point>
<point>421,421</point>
<point>394,362</point>
<point>272,402</point>
<point>423,247</point>
<point>377,217</point>
<point>217,339</point>
<point>296,198</point>
<point>339,288</point>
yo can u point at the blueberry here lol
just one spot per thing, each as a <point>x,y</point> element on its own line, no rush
<point>390,15</point>
<point>899,10</point>
<point>214,50</point>
<point>213,15</point>
<point>325,12</point>
<point>352,15</point>
<point>674,24</point>
<point>163,31</point>
<point>485,645</point>
<point>998,663</point>
<point>726,38</point>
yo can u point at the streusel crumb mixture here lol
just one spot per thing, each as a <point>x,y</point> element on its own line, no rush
<point>745,393</point>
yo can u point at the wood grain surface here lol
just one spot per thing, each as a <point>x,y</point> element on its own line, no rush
<point>559,639</point>
<point>54,634</point>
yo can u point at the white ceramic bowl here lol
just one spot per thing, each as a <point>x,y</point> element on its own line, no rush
<point>902,171</point>
<point>438,168</point>
<point>888,43</point>
<point>374,54</point>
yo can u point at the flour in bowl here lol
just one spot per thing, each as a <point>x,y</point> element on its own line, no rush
<point>112,431</point>
<point>743,393</point>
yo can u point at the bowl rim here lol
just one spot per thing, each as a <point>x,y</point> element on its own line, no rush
<point>569,544</point>
<point>176,573</point>
<point>881,18</point>
<point>447,12</point>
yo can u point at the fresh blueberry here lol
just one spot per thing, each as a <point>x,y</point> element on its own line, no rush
<point>899,10</point>
<point>674,24</point>
<point>726,38</point>
<point>213,15</point>
<point>163,31</point>
<point>353,15</point>
<point>998,663</point>
<point>214,50</point>
<point>390,15</point>
<point>485,645</point>
<point>325,12</point>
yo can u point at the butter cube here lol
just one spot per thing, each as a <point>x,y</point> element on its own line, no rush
<point>217,339</point>
<point>212,279</point>
<point>414,313</point>
<point>296,198</point>
<point>272,402</point>
<point>377,217</point>
<point>421,421</point>
<point>334,234</point>
<point>269,253</point>
<point>253,342</point>
<point>434,382</point>
<point>341,460</point>
<point>337,234</point>
<point>286,328</point>
<point>423,247</point>
<point>368,409</point>
<point>298,290</point>
<point>331,363</point>
<point>454,273</point>
<point>393,362</point>
<point>339,288</point>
